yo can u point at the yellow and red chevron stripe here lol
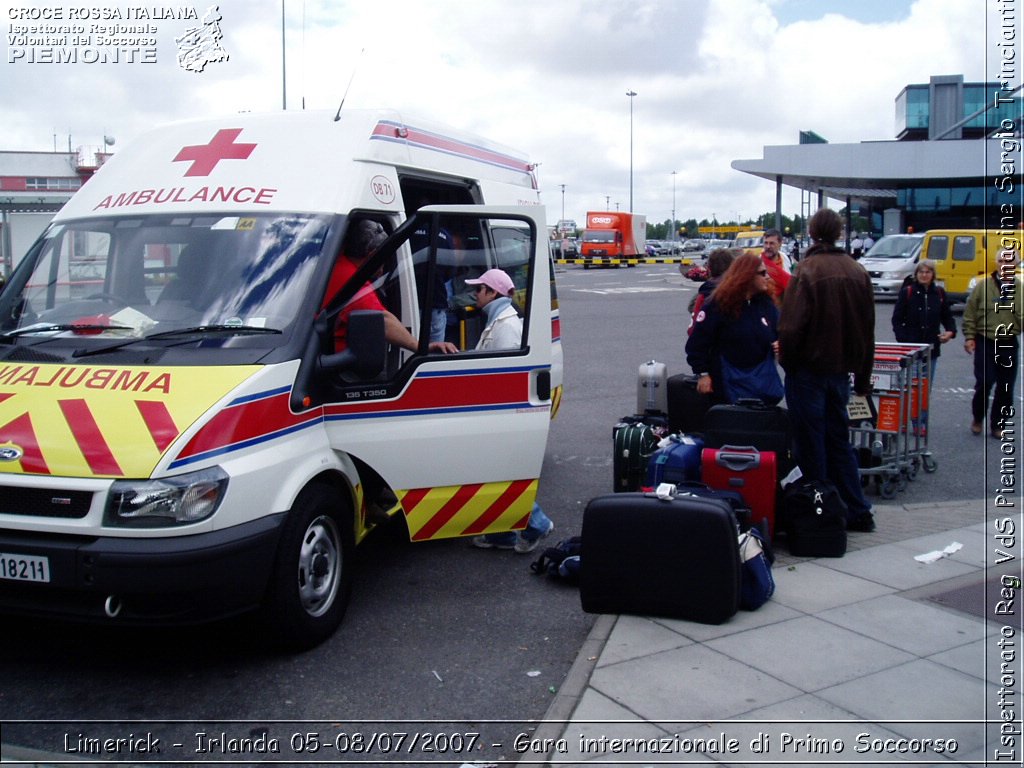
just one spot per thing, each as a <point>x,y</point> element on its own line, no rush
<point>467,510</point>
<point>90,421</point>
<point>94,421</point>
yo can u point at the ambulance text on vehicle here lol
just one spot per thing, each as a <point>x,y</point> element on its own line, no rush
<point>182,438</point>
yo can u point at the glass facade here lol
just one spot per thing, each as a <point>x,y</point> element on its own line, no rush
<point>979,95</point>
<point>913,110</point>
<point>946,198</point>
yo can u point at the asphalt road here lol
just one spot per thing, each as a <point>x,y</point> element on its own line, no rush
<point>467,640</point>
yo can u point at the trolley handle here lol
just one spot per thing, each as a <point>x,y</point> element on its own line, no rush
<point>738,458</point>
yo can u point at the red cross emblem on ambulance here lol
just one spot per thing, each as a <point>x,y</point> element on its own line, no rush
<point>204,157</point>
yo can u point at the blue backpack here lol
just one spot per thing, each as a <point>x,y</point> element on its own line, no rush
<point>561,561</point>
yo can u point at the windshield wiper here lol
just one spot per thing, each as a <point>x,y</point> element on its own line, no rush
<point>203,330</point>
<point>197,330</point>
<point>56,327</point>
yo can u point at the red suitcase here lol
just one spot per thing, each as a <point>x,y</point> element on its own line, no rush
<point>751,472</point>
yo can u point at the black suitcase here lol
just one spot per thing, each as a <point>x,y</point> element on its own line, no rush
<point>751,422</point>
<point>687,407</point>
<point>677,558</point>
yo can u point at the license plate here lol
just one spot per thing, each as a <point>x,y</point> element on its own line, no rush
<point>24,568</point>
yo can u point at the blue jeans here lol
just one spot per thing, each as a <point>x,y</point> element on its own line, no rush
<point>438,324</point>
<point>536,527</point>
<point>821,436</point>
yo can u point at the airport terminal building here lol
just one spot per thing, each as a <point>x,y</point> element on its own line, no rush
<point>955,162</point>
<point>33,187</point>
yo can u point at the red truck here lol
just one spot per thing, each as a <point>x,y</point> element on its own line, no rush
<point>611,238</point>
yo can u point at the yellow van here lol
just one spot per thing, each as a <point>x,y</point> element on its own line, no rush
<point>962,255</point>
<point>750,242</point>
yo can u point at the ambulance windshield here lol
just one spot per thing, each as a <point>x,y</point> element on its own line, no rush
<point>141,276</point>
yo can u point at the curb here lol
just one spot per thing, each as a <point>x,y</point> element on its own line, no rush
<point>560,710</point>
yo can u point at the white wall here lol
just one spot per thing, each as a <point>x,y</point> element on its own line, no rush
<point>20,231</point>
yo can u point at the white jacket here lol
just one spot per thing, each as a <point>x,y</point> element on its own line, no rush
<point>504,332</point>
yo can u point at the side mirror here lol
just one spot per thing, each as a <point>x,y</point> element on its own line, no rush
<point>367,347</point>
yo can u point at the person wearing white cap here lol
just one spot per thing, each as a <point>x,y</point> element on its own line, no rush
<point>504,330</point>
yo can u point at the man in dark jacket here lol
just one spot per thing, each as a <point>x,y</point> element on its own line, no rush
<point>827,332</point>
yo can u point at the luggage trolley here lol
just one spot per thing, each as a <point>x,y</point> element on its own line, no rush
<point>892,440</point>
<point>920,372</point>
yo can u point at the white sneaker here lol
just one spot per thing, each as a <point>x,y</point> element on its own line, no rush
<point>525,545</point>
<point>485,543</point>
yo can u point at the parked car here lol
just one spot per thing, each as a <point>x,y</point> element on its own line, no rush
<point>658,248</point>
<point>694,253</point>
<point>890,261</point>
<point>569,248</point>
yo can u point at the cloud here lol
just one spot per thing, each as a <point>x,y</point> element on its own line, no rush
<point>716,80</point>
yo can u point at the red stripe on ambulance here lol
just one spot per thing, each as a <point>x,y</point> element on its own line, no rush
<point>435,141</point>
<point>515,490</point>
<point>159,422</point>
<point>462,496</point>
<point>89,437</point>
<point>264,417</point>
<point>20,432</point>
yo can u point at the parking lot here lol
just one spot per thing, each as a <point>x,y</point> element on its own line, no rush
<point>466,638</point>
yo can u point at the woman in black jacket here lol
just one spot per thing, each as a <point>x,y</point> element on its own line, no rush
<point>921,308</point>
<point>734,342</point>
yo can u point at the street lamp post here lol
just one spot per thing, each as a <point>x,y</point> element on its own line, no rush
<point>631,94</point>
<point>284,79</point>
<point>563,201</point>
<point>673,207</point>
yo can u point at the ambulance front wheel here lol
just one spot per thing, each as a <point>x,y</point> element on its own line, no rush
<point>312,580</point>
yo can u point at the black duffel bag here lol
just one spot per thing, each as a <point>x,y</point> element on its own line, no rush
<point>814,518</point>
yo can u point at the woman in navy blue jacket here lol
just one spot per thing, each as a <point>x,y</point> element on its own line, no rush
<point>735,337</point>
<point>922,311</point>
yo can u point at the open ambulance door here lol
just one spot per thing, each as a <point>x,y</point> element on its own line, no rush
<point>458,438</point>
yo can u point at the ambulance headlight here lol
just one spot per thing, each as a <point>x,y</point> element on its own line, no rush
<point>169,501</point>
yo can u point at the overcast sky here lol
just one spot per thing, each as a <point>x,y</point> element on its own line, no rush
<point>716,80</point>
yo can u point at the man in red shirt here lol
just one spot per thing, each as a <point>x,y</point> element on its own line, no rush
<point>361,242</point>
<point>771,257</point>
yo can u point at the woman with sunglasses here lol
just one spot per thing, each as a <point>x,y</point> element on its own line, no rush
<point>734,341</point>
<point>503,328</point>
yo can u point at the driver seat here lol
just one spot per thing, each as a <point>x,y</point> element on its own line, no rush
<point>191,281</point>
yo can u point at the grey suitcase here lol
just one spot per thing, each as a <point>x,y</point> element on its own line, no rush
<point>652,388</point>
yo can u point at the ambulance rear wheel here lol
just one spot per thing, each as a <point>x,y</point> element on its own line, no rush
<point>312,579</point>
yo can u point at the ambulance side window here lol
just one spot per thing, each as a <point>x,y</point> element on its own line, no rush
<point>468,246</point>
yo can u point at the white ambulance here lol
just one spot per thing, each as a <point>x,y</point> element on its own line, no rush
<point>181,439</point>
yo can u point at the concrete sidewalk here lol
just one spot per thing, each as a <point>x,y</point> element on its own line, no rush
<point>874,643</point>
<point>873,657</point>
